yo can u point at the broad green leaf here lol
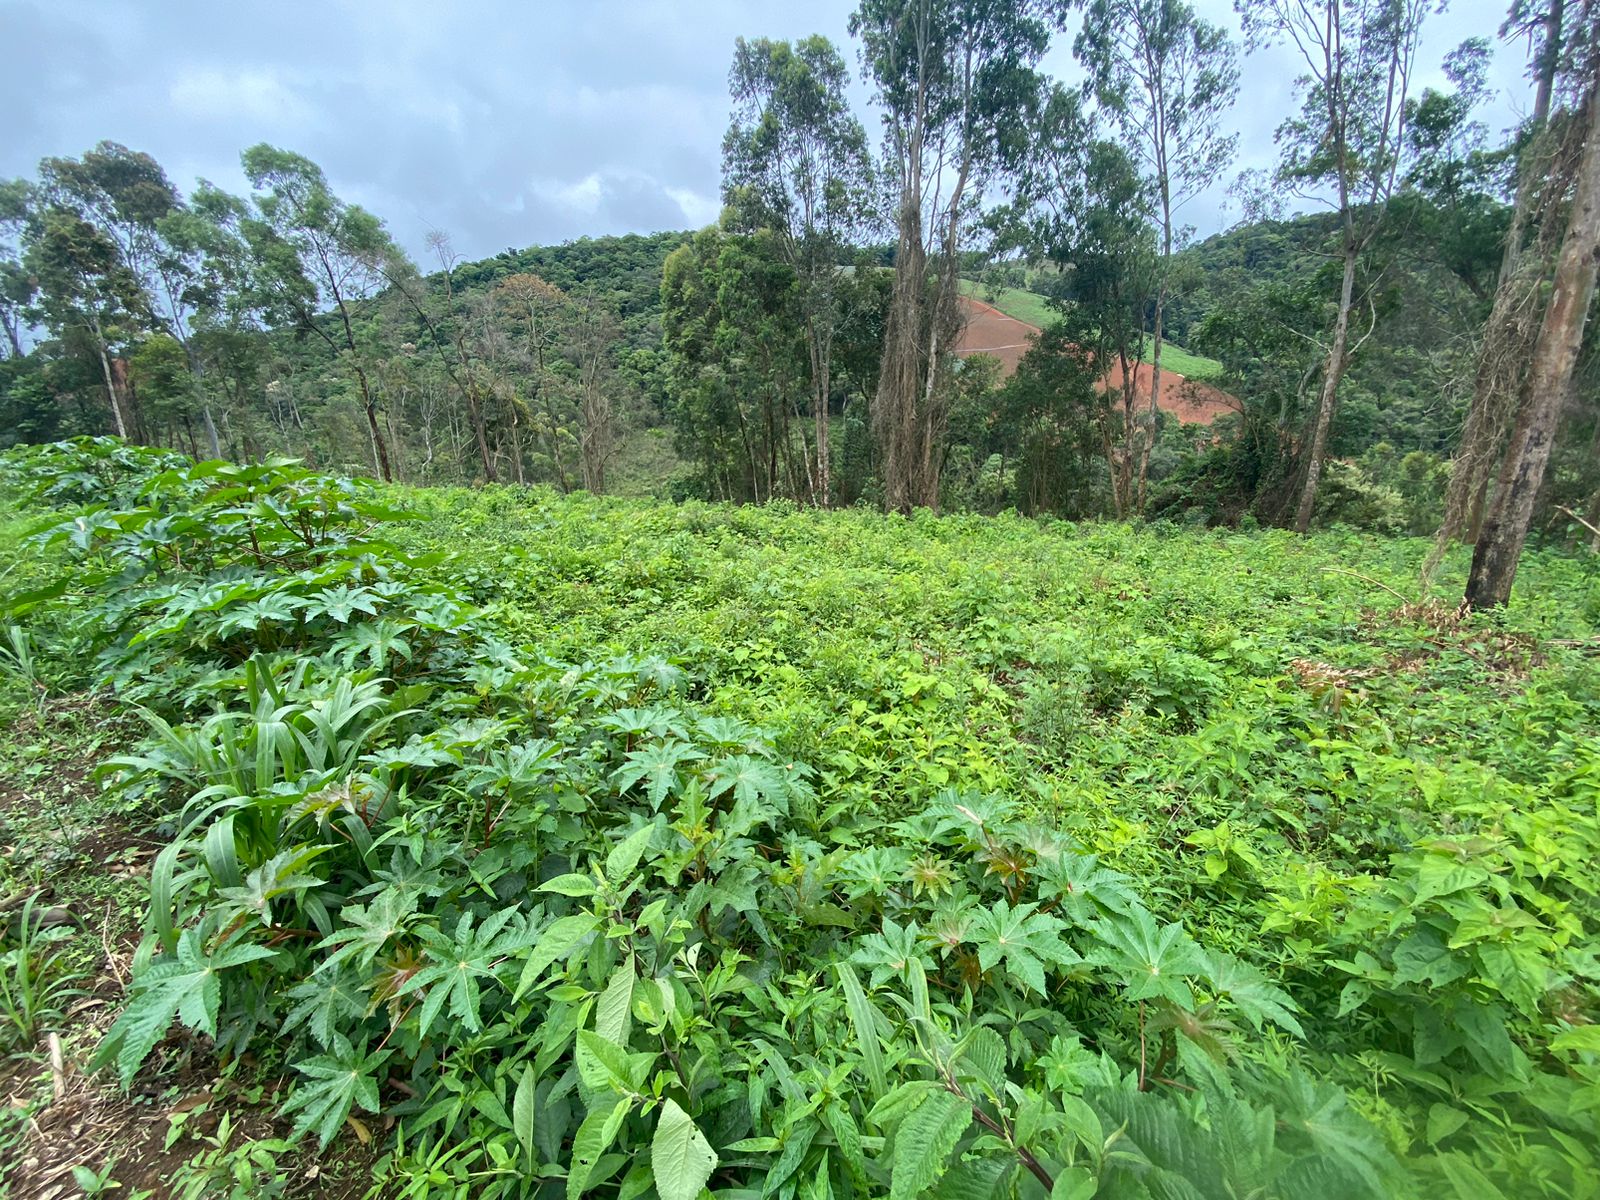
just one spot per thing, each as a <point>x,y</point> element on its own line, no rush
<point>625,854</point>
<point>576,885</point>
<point>525,1111</point>
<point>555,942</point>
<point>613,1015</point>
<point>595,1135</point>
<point>680,1156</point>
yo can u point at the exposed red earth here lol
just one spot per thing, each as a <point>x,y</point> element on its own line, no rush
<point>990,331</point>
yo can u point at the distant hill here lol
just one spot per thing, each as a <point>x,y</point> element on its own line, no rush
<point>625,269</point>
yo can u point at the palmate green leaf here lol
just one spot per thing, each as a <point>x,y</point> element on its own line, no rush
<point>680,1157</point>
<point>1024,939</point>
<point>185,985</point>
<point>1152,962</point>
<point>335,1083</point>
<point>889,952</point>
<point>377,640</point>
<point>367,930</point>
<point>458,961</point>
<point>324,1002</point>
<point>1320,1113</point>
<point>658,766</point>
<point>923,1142</point>
<point>341,603</point>
<point>750,780</point>
<point>1257,997</point>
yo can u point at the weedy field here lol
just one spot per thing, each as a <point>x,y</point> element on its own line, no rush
<point>503,844</point>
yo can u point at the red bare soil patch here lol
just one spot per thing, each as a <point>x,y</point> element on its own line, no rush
<point>1192,401</point>
<point>990,331</point>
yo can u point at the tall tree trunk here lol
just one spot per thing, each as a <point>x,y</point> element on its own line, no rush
<point>900,377</point>
<point>1153,415</point>
<point>211,430</point>
<point>380,448</point>
<point>111,384</point>
<point>822,387</point>
<point>1508,329</point>
<point>1499,548</point>
<point>380,444</point>
<point>1328,398</point>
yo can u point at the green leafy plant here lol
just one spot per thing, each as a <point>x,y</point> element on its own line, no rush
<point>36,980</point>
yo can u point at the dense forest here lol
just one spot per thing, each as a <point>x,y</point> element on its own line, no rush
<point>943,683</point>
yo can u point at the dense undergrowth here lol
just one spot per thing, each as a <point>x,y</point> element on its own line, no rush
<point>622,849</point>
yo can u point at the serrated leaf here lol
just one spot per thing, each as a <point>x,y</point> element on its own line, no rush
<point>595,1134</point>
<point>680,1156</point>
<point>613,1014</point>
<point>556,941</point>
<point>525,1111</point>
<point>865,1019</point>
<point>923,1143</point>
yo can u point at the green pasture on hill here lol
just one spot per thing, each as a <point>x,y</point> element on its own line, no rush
<point>1035,310</point>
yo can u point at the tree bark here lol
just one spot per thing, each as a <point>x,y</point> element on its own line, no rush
<point>1329,396</point>
<point>1153,416</point>
<point>111,385</point>
<point>1555,354</point>
<point>1505,334</point>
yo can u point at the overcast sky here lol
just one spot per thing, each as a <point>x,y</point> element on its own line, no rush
<point>502,122</point>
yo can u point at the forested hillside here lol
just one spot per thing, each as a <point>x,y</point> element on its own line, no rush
<point>748,361</point>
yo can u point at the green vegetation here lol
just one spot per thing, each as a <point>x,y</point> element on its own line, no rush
<point>480,832</point>
<point>648,848</point>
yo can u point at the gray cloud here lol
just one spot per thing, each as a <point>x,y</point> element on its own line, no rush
<point>502,123</point>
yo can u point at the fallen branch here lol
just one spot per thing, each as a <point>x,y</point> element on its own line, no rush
<point>58,1067</point>
<point>1592,529</point>
<point>1368,579</point>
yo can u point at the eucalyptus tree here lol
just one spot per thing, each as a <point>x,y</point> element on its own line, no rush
<point>80,284</point>
<point>539,311</point>
<point>1543,158</point>
<point>1344,146</point>
<point>956,81</point>
<point>316,258</point>
<point>593,340</point>
<point>796,162</point>
<point>446,326</point>
<point>16,287</point>
<point>1565,297</point>
<point>126,195</point>
<point>1169,79</point>
<point>1083,205</point>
